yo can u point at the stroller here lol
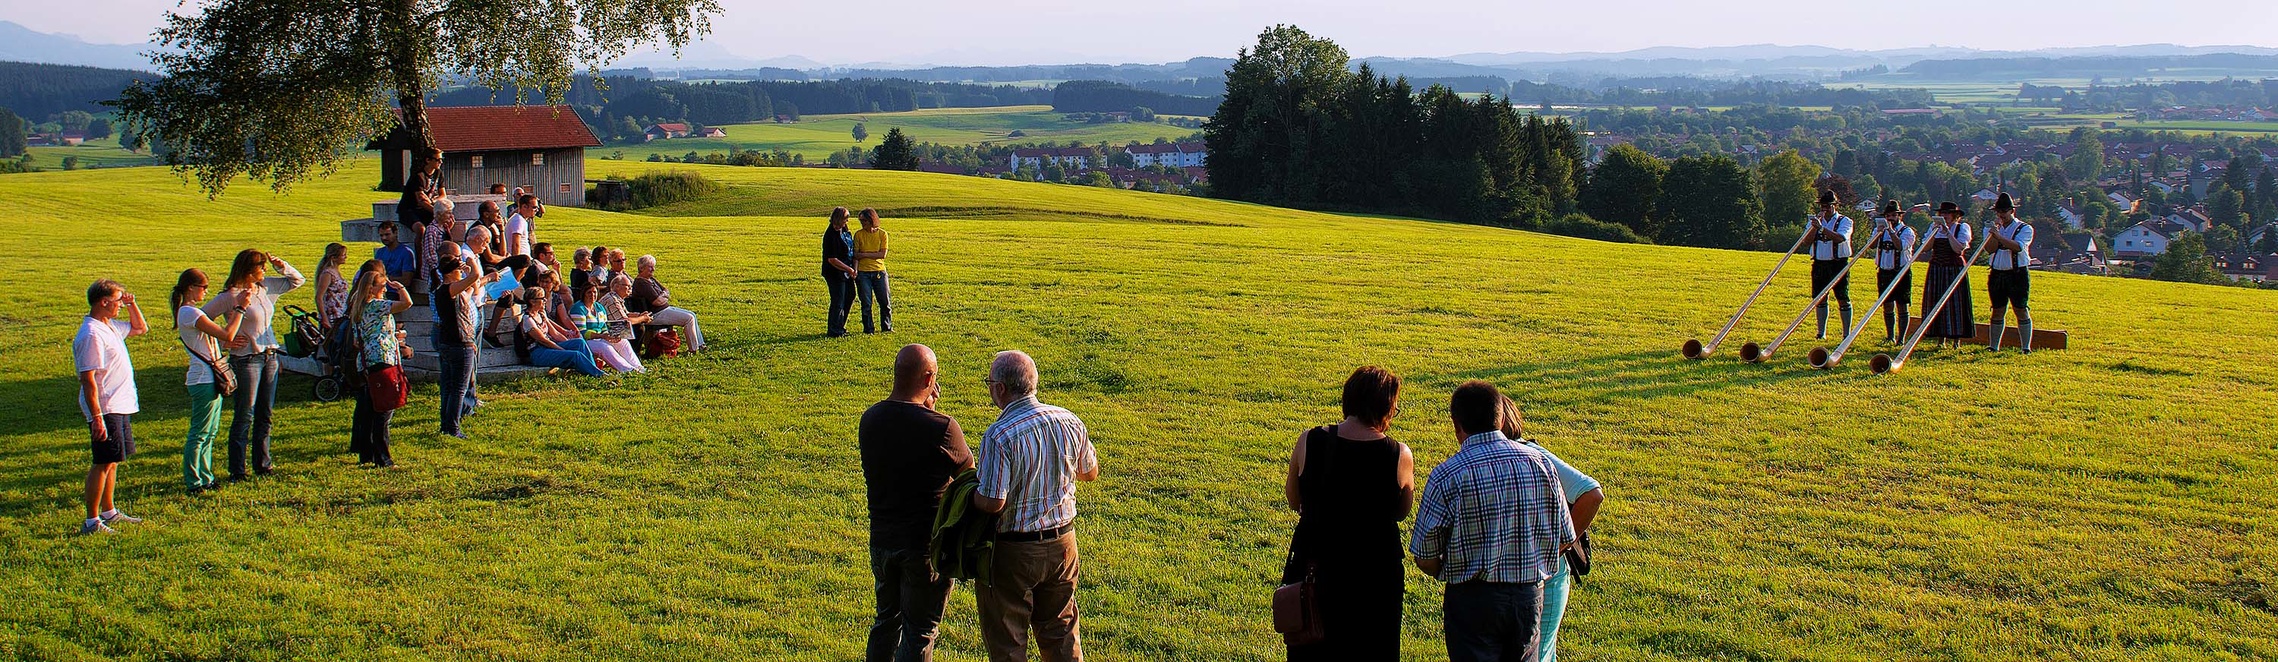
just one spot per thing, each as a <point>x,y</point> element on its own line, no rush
<point>308,352</point>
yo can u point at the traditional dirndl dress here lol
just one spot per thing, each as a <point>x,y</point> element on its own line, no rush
<point>1958,319</point>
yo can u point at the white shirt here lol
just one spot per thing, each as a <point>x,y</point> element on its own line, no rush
<point>1893,260</point>
<point>103,346</point>
<point>1961,234</point>
<point>518,230</point>
<point>2020,232</point>
<point>186,326</point>
<point>467,257</point>
<point>259,308</point>
<point>1832,250</point>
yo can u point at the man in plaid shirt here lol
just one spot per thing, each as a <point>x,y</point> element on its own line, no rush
<point>1492,524</point>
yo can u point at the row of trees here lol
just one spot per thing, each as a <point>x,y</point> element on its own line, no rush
<point>1099,96</point>
<point>1297,128</point>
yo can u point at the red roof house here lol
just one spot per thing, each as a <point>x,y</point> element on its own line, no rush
<point>540,149</point>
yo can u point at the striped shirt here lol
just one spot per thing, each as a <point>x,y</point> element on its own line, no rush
<point>1030,458</point>
<point>1493,512</point>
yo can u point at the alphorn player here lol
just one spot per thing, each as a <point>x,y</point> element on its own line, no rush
<point>1949,254</point>
<point>2008,283</point>
<point>1894,263</point>
<point>1831,258</point>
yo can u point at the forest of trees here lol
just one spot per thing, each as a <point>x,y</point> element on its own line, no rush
<point>652,100</point>
<point>1099,96</point>
<point>37,91</point>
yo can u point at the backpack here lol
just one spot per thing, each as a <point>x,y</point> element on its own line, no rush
<point>340,354</point>
<point>964,538</point>
<point>663,344</point>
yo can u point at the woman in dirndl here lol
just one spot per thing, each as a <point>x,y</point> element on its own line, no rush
<point>1949,250</point>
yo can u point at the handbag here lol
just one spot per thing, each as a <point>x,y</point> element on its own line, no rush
<point>1297,610</point>
<point>664,344</point>
<point>225,381</point>
<point>384,384</point>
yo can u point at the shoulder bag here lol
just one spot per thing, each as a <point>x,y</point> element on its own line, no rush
<point>1297,609</point>
<point>384,384</point>
<point>225,382</point>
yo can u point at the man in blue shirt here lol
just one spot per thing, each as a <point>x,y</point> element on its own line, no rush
<point>402,264</point>
<point>1492,524</point>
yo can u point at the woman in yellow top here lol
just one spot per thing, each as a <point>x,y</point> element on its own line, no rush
<point>870,272</point>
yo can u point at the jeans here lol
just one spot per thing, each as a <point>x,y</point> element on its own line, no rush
<point>198,447</point>
<point>249,422</point>
<point>457,379</point>
<point>368,431</point>
<point>1554,592</point>
<point>1492,622</point>
<point>911,599</point>
<point>873,283</point>
<point>572,355</point>
<point>678,316</point>
<point>842,302</point>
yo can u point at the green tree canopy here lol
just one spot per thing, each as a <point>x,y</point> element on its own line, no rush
<point>1624,187</point>
<point>279,90</point>
<point>896,152</point>
<point>2186,261</point>
<point>12,130</point>
<point>1711,201</point>
<point>2227,207</point>
<point>861,133</point>
<point>1783,183</point>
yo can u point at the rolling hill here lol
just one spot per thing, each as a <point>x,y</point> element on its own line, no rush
<point>2111,501</point>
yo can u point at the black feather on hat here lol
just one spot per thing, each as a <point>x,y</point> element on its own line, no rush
<point>1826,196</point>
<point>1945,208</point>
<point>2003,203</point>
<point>1890,207</point>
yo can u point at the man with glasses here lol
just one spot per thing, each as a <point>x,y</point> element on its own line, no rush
<point>1030,462</point>
<point>107,395</point>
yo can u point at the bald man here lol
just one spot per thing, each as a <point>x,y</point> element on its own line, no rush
<point>909,454</point>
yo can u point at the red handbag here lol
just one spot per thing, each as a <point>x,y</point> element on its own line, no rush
<point>387,387</point>
<point>1297,611</point>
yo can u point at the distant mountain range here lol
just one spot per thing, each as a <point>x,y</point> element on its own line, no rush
<point>706,60</point>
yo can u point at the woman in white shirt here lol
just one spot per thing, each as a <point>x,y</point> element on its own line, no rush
<point>203,338</point>
<point>254,360</point>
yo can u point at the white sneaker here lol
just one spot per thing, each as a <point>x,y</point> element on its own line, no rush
<point>118,517</point>
<point>94,526</point>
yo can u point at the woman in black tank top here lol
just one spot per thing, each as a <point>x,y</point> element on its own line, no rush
<point>1351,487</point>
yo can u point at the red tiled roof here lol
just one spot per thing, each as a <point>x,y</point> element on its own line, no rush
<point>672,126</point>
<point>497,128</point>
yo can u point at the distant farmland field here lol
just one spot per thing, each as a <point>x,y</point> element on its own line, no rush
<point>817,136</point>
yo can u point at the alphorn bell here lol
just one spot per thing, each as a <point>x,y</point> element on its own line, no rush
<point>1693,347</point>
<point>1823,359</point>
<point>1883,363</point>
<point>1751,353</point>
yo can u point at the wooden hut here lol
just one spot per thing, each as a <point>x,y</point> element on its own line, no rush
<point>540,149</point>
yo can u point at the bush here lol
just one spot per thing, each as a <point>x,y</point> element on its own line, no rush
<point>664,188</point>
<point>1578,225</point>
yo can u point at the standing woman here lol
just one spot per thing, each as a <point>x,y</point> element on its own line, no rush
<point>331,290</point>
<point>1351,486</point>
<point>254,360</point>
<point>372,319</point>
<point>1949,254</point>
<point>838,270</point>
<point>1894,263</point>
<point>1583,498</point>
<point>203,338</point>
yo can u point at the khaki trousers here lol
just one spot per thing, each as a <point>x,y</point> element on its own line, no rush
<point>1032,585</point>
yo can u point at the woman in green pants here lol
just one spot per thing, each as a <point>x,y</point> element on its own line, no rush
<point>1583,497</point>
<point>204,339</point>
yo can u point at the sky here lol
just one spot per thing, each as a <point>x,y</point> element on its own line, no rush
<point>1059,31</point>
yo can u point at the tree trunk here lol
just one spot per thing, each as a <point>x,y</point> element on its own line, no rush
<point>405,63</point>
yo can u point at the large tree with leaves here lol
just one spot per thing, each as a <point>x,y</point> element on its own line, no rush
<point>896,152</point>
<point>1624,187</point>
<point>1784,185</point>
<point>280,90</point>
<point>1711,201</point>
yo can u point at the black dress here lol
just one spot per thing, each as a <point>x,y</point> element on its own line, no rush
<point>1350,534</point>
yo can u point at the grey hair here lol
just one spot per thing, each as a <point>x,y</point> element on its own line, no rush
<point>1015,371</point>
<point>619,278</point>
<point>471,232</point>
<point>649,261</point>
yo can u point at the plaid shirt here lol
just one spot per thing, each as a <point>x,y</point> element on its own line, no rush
<point>1493,512</point>
<point>1030,458</point>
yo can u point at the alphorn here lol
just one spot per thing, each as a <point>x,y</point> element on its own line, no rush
<point>1751,353</point>
<point>1693,347</point>
<point>1883,363</point>
<point>1823,359</point>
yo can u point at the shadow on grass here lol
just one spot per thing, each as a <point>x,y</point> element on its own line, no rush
<point>1642,375</point>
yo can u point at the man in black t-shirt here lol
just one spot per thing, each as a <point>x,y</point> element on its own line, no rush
<point>909,454</point>
<point>419,190</point>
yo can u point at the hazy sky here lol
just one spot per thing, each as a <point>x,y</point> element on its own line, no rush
<point>1042,31</point>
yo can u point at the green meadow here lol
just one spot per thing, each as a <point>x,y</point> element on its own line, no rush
<point>817,136</point>
<point>2108,502</point>
<point>92,155</point>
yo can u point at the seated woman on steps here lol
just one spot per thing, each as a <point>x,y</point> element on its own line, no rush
<point>548,344</point>
<point>593,324</point>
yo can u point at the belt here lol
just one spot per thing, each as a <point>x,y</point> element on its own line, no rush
<point>1036,536</point>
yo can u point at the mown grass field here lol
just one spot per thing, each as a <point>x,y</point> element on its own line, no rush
<point>817,136</point>
<point>2108,502</point>
<point>90,156</point>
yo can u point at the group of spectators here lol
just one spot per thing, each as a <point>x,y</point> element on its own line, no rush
<point>1503,521</point>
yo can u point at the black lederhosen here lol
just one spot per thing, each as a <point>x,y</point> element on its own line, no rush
<point>1832,271</point>
<point>2008,285</point>
<point>1905,278</point>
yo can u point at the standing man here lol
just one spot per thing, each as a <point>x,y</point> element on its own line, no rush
<point>1894,263</point>
<point>909,454</point>
<point>106,395</point>
<point>2009,282</point>
<point>1831,259</point>
<point>518,225</point>
<point>838,271</point>
<point>870,271</point>
<point>1492,525</point>
<point>1031,460</point>
<point>1949,263</point>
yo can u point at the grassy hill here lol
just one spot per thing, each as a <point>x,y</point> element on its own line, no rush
<point>2112,501</point>
<point>817,136</point>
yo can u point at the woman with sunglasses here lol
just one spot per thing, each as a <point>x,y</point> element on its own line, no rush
<point>548,344</point>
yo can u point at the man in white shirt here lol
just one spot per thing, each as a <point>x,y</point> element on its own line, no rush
<point>1894,244</point>
<point>106,395</point>
<point>2010,282</point>
<point>518,225</point>
<point>1831,259</point>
